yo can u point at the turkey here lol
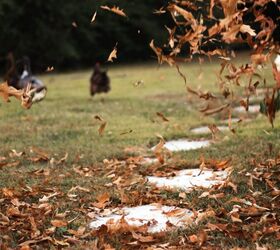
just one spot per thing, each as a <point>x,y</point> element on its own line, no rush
<point>21,80</point>
<point>99,81</point>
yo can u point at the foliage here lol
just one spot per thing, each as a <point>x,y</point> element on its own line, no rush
<point>60,33</point>
<point>210,28</point>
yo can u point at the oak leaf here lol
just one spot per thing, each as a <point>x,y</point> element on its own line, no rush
<point>114,9</point>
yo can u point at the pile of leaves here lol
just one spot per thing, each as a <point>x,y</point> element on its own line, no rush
<point>44,213</point>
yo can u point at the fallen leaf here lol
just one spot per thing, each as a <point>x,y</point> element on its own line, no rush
<point>159,114</point>
<point>59,223</point>
<point>102,201</point>
<point>141,238</point>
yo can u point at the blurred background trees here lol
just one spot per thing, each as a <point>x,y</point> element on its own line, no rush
<point>60,33</point>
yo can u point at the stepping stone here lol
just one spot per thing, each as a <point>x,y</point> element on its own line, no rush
<point>185,145</point>
<point>189,179</point>
<point>206,130</point>
<point>156,216</point>
<point>252,109</point>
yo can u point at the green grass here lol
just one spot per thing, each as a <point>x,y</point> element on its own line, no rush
<point>64,123</point>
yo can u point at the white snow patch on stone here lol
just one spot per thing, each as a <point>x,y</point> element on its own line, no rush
<point>233,120</point>
<point>147,160</point>
<point>252,109</point>
<point>155,216</point>
<point>236,120</point>
<point>189,179</point>
<point>206,130</point>
<point>185,145</point>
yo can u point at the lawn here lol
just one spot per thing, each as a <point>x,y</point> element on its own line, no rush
<point>64,124</point>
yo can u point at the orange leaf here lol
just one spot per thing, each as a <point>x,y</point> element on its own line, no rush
<point>114,9</point>
<point>113,54</point>
<point>102,201</point>
<point>59,223</point>
<point>6,91</point>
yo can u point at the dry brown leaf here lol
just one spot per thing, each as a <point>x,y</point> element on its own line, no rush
<point>247,29</point>
<point>126,132</point>
<point>8,192</point>
<point>114,9</point>
<point>161,115</point>
<point>102,128</point>
<point>162,58</point>
<point>41,155</point>
<point>6,91</point>
<point>174,212</point>
<point>63,159</point>
<point>186,14</point>
<point>93,17</point>
<point>59,223</point>
<point>113,54</point>
<point>160,145</point>
<point>26,247</point>
<point>206,95</point>
<point>102,201</point>
<point>229,7</point>
<point>193,238</point>
<point>141,238</point>
<point>216,110</point>
<point>99,118</point>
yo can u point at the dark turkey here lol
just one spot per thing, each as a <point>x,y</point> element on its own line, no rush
<point>99,81</point>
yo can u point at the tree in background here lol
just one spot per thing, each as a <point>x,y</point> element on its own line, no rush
<point>60,33</point>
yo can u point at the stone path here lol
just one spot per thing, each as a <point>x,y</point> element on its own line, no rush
<point>157,217</point>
